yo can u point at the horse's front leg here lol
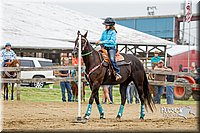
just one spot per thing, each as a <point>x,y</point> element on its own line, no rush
<point>123,88</point>
<point>95,89</point>
<point>12,91</point>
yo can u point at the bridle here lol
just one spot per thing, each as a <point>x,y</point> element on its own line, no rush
<point>83,48</point>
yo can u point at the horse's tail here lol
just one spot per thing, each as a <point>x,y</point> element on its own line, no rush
<point>148,100</point>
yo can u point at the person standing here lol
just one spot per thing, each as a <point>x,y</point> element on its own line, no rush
<point>105,95</point>
<point>170,89</point>
<point>132,91</point>
<point>65,84</point>
<point>159,89</point>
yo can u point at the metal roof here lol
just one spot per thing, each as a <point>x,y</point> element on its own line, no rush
<point>41,25</point>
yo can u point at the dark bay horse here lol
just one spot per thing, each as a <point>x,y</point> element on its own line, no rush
<point>97,74</point>
<point>14,63</point>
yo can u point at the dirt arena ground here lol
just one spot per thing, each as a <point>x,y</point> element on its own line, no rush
<point>20,116</point>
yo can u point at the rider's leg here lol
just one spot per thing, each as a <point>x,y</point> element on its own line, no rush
<point>112,54</point>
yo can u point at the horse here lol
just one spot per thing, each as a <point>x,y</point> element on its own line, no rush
<point>6,74</point>
<point>74,88</point>
<point>97,74</point>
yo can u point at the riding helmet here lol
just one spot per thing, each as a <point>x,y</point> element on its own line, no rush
<point>8,44</point>
<point>109,21</point>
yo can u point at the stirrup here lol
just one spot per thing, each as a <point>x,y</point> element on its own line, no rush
<point>118,77</point>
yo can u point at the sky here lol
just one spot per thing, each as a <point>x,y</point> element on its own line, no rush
<point>119,8</point>
<point>126,8</point>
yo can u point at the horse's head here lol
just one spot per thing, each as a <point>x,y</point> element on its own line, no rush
<point>84,43</point>
<point>14,63</point>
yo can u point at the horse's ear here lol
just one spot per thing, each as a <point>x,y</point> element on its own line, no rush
<point>78,33</point>
<point>86,34</point>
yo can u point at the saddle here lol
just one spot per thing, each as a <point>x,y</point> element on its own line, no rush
<point>119,59</point>
<point>106,58</point>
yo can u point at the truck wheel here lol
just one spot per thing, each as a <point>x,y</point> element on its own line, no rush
<point>196,96</point>
<point>182,93</point>
<point>38,84</point>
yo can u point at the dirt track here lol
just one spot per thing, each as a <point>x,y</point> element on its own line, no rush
<point>61,116</point>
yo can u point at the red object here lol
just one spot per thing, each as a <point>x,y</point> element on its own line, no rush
<point>75,61</point>
<point>182,58</point>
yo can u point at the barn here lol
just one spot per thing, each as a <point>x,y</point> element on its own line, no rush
<point>179,56</point>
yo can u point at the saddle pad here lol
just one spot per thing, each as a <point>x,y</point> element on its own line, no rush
<point>123,63</point>
<point>118,56</point>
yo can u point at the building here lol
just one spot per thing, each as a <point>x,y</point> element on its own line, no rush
<point>179,56</point>
<point>165,26</point>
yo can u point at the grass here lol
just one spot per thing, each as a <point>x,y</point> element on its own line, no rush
<point>54,95</point>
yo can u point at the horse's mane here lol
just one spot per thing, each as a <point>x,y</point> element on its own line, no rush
<point>13,63</point>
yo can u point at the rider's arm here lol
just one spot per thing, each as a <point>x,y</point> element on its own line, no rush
<point>1,53</point>
<point>13,54</point>
<point>111,41</point>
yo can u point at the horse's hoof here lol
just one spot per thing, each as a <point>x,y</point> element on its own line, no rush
<point>86,117</point>
<point>142,118</point>
<point>102,116</point>
<point>118,118</point>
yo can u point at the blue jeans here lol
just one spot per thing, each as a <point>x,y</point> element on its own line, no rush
<point>112,53</point>
<point>170,94</point>
<point>66,85</point>
<point>110,92</point>
<point>4,63</point>
<point>130,92</point>
<point>159,90</point>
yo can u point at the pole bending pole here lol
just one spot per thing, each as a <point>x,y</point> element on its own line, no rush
<point>79,79</point>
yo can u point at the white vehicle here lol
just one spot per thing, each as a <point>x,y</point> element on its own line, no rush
<point>35,62</point>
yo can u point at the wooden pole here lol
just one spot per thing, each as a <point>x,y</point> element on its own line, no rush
<point>18,84</point>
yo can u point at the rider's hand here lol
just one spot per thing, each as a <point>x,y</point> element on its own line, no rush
<point>97,43</point>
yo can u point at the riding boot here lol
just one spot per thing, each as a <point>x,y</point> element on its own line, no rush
<point>118,76</point>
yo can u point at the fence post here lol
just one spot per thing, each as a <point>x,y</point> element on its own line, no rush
<point>18,84</point>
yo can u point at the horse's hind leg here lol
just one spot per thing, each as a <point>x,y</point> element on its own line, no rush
<point>123,88</point>
<point>139,87</point>
<point>12,91</point>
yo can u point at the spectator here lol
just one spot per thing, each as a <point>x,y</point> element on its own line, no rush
<point>180,68</point>
<point>159,89</point>
<point>170,89</point>
<point>65,84</point>
<point>110,93</point>
<point>155,59</point>
<point>106,94</point>
<point>132,91</point>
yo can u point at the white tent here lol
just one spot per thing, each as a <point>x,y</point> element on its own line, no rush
<point>40,25</point>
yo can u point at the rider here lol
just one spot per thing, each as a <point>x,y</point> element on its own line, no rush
<point>108,39</point>
<point>8,54</point>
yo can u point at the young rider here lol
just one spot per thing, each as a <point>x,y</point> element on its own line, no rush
<point>8,54</point>
<point>108,40</point>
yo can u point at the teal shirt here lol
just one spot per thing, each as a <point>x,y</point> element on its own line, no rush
<point>108,38</point>
<point>155,59</point>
